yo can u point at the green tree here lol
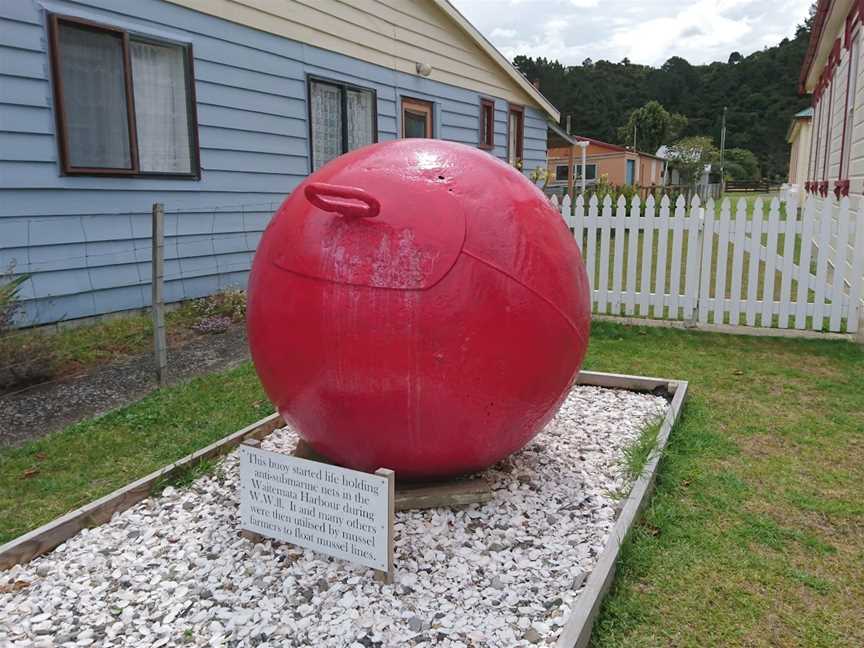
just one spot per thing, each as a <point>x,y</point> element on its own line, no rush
<point>691,155</point>
<point>677,127</point>
<point>652,125</point>
<point>740,164</point>
<point>760,90</point>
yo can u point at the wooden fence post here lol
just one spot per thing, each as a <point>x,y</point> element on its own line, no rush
<point>157,283</point>
<point>693,285</point>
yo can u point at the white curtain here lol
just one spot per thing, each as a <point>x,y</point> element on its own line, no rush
<point>161,107</point>
<point>513,135</point>
<point>359,119</point>
<point>326,123</point>
<point>94,98</point>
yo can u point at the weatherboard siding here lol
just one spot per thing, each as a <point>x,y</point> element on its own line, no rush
<point>394,34</point>
<point>85,240</point>
<point>833,102</point>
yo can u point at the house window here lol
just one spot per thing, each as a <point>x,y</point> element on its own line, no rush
<point>341,118</point>
<point>416,118</point>
<point>487,124</point>
<point>562,173</point>
<point>125,103</point>
<point>590,171</point>
<point>515,133</point>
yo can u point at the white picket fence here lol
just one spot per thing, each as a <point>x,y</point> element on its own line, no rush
<point>765,268</point>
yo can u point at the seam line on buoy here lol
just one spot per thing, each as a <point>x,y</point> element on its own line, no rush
<point>527,287</point>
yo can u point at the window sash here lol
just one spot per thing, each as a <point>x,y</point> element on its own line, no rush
<point>65,128</point>
<point>343,128</point>
<point>487,124</point>
<point>590,171</point>
<point>189,143</point>
<point>417,108</point>
<point>562,172</point>
<point>515,134</point>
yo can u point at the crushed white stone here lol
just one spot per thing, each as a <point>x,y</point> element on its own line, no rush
<point>173,571</point>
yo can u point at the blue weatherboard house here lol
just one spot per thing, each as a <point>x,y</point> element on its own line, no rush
<point>217,109</point>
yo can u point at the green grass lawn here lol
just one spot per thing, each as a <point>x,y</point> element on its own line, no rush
<point>754,537</point>
<point>69,350</point>
<point>46,478</point>
<point>750,199</point>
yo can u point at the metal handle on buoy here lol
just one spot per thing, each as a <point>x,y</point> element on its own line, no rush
<point>350,202</point>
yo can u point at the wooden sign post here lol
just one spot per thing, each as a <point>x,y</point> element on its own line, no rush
<point>343,513</point>
<point>390,476</point>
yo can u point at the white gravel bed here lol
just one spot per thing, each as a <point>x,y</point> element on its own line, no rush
<point>173,571</point>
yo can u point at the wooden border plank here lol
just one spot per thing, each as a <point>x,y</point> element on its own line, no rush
<point>624,381</point>
<point>577,631</point>
<point>755,331</point>
<point>42,540</point>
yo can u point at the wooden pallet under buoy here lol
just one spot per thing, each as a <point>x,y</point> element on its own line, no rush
<point>423,495</point>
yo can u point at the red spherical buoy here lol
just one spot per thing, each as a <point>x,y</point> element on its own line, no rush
<point>417,305</point>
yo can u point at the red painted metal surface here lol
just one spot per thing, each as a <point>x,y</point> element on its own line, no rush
<point>417,305</point>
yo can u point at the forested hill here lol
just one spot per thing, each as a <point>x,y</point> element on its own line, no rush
<point>760,90</point>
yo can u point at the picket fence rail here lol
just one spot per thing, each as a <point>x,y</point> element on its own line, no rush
<point>766,267</point>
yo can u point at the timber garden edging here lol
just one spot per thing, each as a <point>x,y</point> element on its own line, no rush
<point>576,632</point>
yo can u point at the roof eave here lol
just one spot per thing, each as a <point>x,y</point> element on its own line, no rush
<point>499,58</point>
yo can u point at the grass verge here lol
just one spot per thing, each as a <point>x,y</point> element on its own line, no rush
<point>755,533</point>
<point>636,455</point>
<point>60,472</point>
<point>32,356</point>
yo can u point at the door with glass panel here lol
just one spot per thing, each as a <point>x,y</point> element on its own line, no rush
<point>416,118</point>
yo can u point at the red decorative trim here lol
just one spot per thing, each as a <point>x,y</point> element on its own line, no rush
<point>823,188</point>
<point>841,188</point>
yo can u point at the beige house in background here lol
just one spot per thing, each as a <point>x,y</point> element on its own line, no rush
<point>798,137</point>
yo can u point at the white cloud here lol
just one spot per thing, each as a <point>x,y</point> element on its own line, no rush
<point>500,34</point>
<point>644,31</point>
<point>702,25</point>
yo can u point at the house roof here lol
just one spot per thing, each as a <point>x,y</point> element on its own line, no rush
<point>815,34</point>
<point>597,142</point>
<point>557,137</point>
<point>498,57</point>
<point>614,147</point>
<point>827,21</point>
<point>797,119</point>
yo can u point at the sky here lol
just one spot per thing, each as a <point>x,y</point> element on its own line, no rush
<point>644,31</point>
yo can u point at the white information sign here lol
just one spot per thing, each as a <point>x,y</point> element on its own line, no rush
<point>339,512</point>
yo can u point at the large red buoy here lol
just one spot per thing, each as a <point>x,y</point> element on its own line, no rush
<point>417,305</point>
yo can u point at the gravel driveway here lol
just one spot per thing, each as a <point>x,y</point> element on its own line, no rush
<point>52,406</point>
